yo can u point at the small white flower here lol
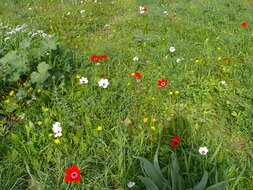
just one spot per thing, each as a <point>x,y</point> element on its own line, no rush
<point>178,60</point>
<point>83,80</point>
<point>103,83</point>
<point>81,2</point>
<point>203,150</point>
<point>82,11</point>
<point>57,129</point>
<point>223,83</point>
<point>172,49</point>
<point>7,38</point>
<point>29,8</point>
<point>165,12</point>
<point>136,58</point>
<point>68,13</point>
<point>98,63</point>
<point>22,116</point>
<point>131,184</point>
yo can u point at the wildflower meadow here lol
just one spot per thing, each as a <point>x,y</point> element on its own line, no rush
<point>126,94</point>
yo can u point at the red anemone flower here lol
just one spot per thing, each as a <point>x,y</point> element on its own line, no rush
<point>137,75</point>
<point>72,174</point>
<point>162,82</point>
<point>102,76</point>
<point>103,57</point>
<point>145,9</point>
<point>229,60</point>
<point>175,141</point>
<point>94,58</point>
<point>244,24</point>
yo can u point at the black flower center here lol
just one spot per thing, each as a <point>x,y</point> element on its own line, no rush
<point>74,175</point>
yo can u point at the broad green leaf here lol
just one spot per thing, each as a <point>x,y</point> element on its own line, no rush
<point>177,180</point>
<point>218,186</point>
<point>202,184</point>
<point>25,44</point>
<point>48,44</point>
<point>148,183</point>
<point>151,172</point>
<point>43,67</point>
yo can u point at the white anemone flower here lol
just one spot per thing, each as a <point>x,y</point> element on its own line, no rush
<point>82,11</point>
<point>136,58</point>
<point>203,150</point>
<point>103,83</point>
<point>83,80</point>
<point>172,49</point>
<point>131,184</point>
<point>223,83</point>
<point>68,13</point>
<point>57,129</point>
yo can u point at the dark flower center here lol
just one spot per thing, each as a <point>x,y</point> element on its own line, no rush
<point>74,175</point>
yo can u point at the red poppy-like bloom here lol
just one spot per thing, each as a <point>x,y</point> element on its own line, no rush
<point>72,174</point>
<point>145,9</point>
<point>103,57</point>
<point>241,60</point>
<point>175,141</point>
<point>94,58</point>
<point>229,60</point>
<point>244,24</point>
<point>137,75</point>
<point>102,76</point>
<point>162,82</point>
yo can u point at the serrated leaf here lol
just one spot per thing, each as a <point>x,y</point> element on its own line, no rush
<point>148,183</point>
<point>202,184</point>
<point>48,44</point>
<point>43,67</point>
<point>25,44</point>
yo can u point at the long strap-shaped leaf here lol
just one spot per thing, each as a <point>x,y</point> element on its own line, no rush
<point>202,184</point>
<point>148,183</point>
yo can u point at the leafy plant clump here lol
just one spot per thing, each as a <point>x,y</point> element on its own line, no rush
<point>154,179</point>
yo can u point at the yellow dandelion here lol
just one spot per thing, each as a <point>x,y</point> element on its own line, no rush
<point>177,92</point>
<point>99,128</point>
<point>228,102</point>
<point>128,84</point>
<point>39,90</point>
<point>11,93</point>
<point>252,34</point>
<point>205,112</point>
<point>133,74</point>
<point>7,101</point>
<point>170,93</point>
<point>57,141</point>
<point>196,61</point>
<point>78,76</point>
<point>219,48</point>
<point>219,58</point>
<point>45,109</point>
<point>145,120</point>
<point>154,119</point>
<point>50,134</point>
<point>39,122</point>
<point>153,128</point>
<point>153,98</point>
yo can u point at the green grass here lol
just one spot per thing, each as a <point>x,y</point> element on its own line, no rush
<point>116,29</point>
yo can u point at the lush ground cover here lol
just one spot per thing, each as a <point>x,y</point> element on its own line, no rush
<point>207,101</point>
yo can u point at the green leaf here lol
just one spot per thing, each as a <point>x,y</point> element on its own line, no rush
<point>48,44</point>
<point>25,44</point>
<point>148,183</point>
<point>202,184</point>
<point>218,186</point>
<point>177,180</point>
<point>43,67</point>
<point>151,172</point>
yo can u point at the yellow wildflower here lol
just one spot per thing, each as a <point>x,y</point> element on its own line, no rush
<point>133,74</point>
<point>228,102</point>
<point>153,128</point>
<point>154,119</point>
<point>11,93</point>
<point>57,141</point>
<point>50,134</point>
<point>205,112</point>
<point>78,76</point>
<point>153,98</point>
<point>196,61</point>
<point>39,90</point>
<point>170,93</point>
<point>99,128</point>
<point>39,122</point>
<point>218,48</point>
<point>45,109</point>
<point>128,84</point>
<point>219,58</point>
<point>7,101</point>
<point>145,120</point>
<point>177,92</point>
